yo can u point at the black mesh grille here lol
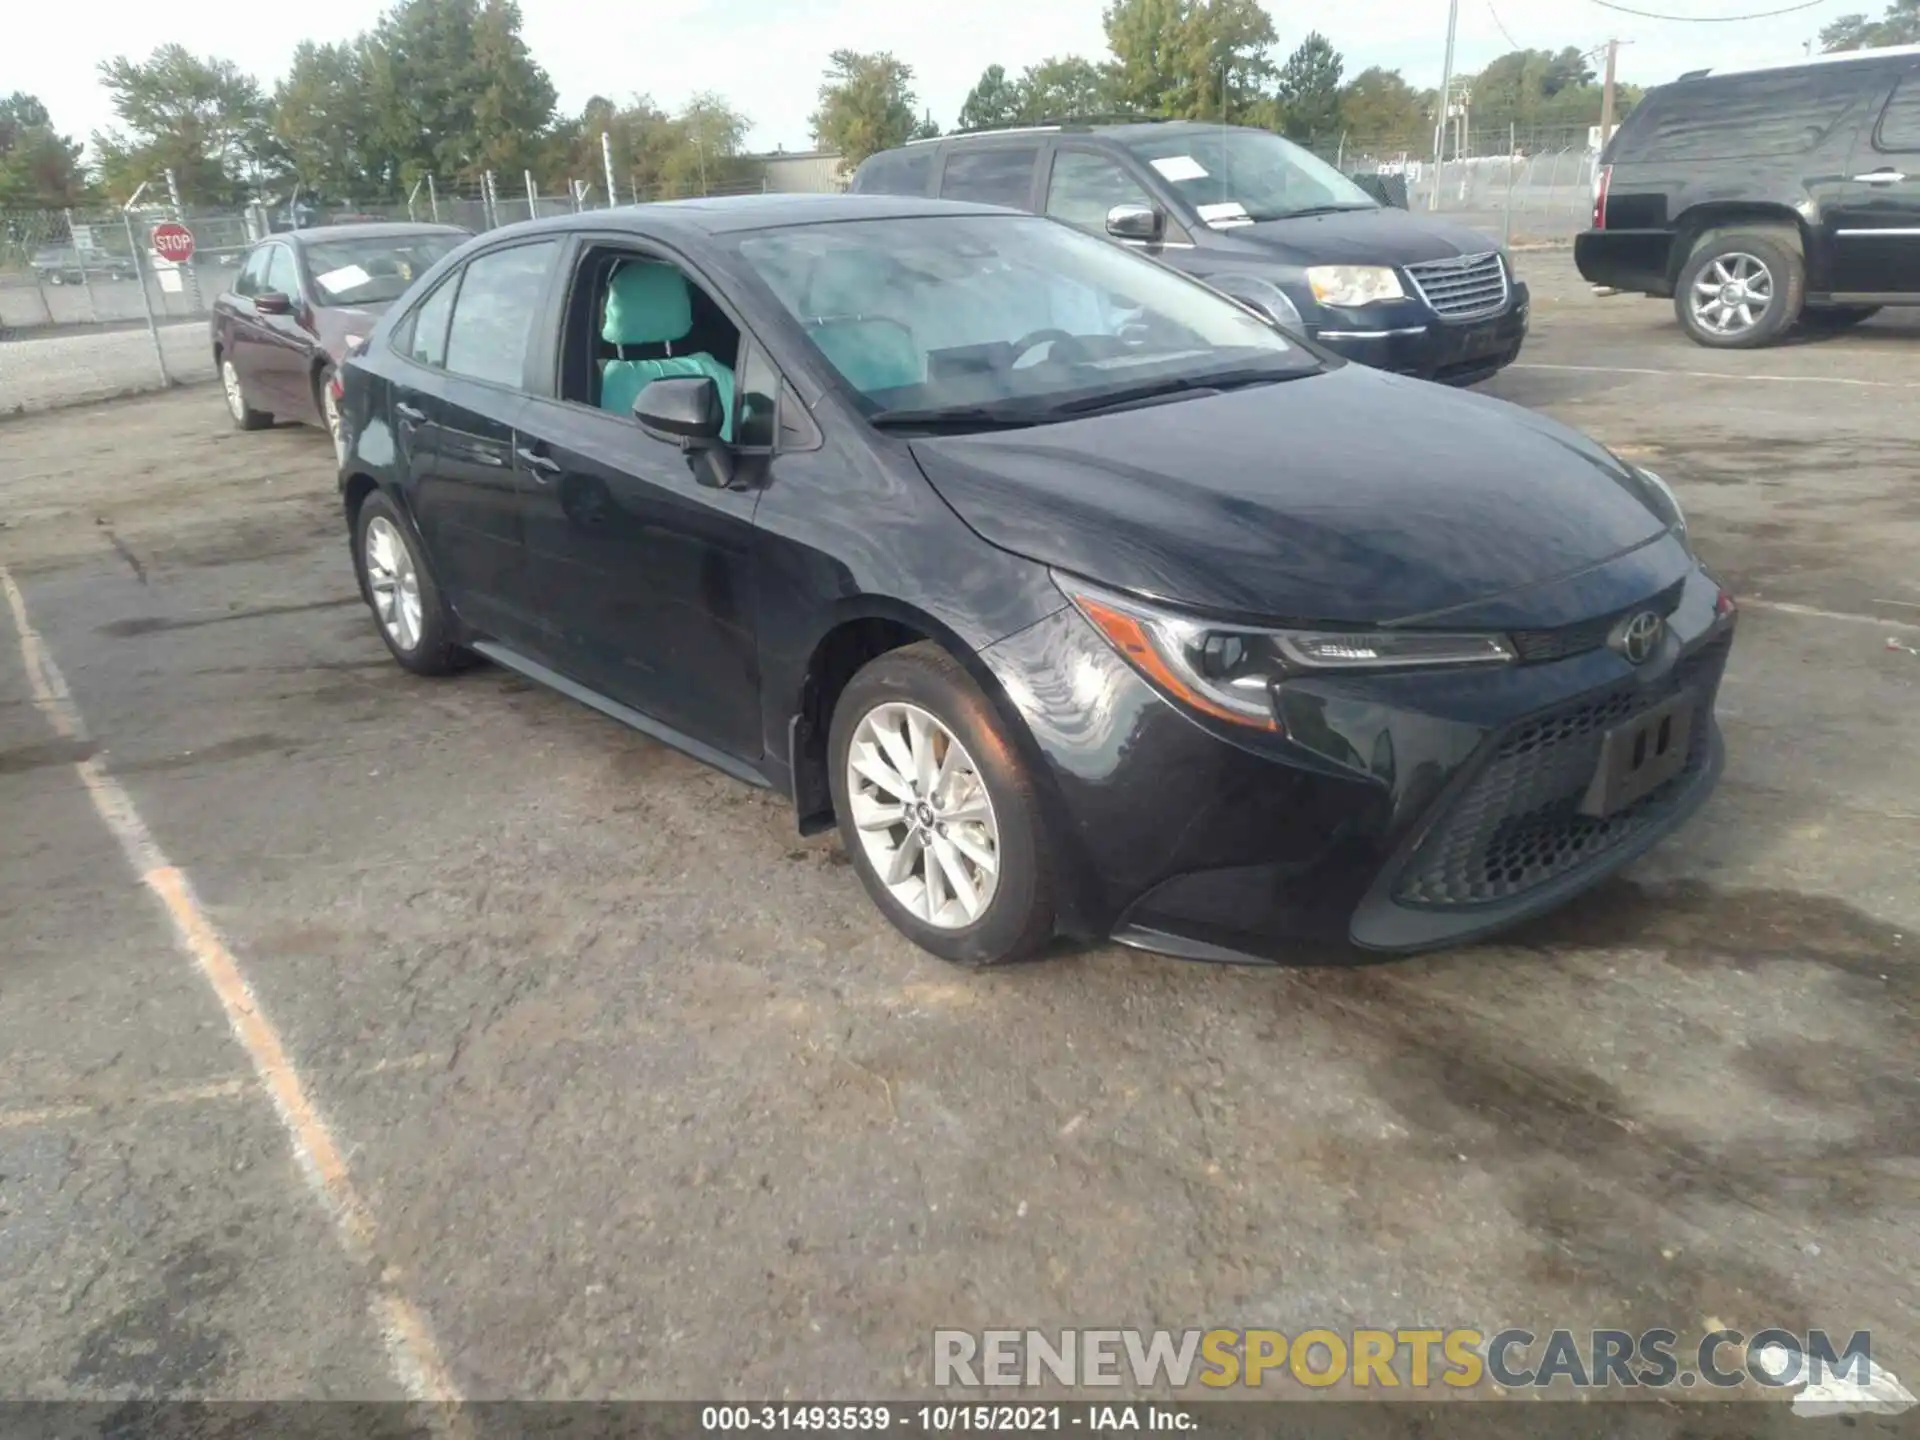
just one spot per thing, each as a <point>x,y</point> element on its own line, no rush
<point>1518,825</point>
<point>1536,647</point>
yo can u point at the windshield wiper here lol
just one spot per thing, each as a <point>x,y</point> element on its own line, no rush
<point>1318,210</point>
<point>966,417</point>
<point>1176,385</point>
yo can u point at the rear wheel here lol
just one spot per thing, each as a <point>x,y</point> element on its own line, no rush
<point>937,811</point>
<point>1741,289</point>
<point>413,618</point>
<point>243,416</point>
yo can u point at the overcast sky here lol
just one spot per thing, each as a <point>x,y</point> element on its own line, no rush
<point>766,55</point>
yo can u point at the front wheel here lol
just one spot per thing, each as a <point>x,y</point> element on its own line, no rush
<point>330,413</point>
<point>1741,289</point>
<point>244,417</point>
<point>938,812</point>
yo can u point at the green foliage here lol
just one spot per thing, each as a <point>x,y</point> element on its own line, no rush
<point>1538,89</point>
<point>994,100</point>
<point>1152,71</point>
<point>454,91</point>
<point>1379,105</point>
<point>1899,26</point>
<point>323,117</point>
<point>1062,87</point>
<point>1309,92</point>
<point>39,168</point>
<point>657,155</point>
<point>866,105</point>
<point>202,118</point>
<point>1227,55</point>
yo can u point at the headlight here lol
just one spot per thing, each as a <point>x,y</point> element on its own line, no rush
<point>1667,504</point>
<point>1228,671</point>
<point>1348,285</point>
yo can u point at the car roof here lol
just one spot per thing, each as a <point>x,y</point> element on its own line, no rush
<point>1807,62</point>
<point>1120,130</point>
<point>730,214</point>
<point>363,230</point>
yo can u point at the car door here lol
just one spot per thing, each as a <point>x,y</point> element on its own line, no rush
<point>642,552</point>
<point>1876,220</point>
<point>455,410</point>
<point>1085,182</point>
<point>244,332</point>
<point>280,362</point>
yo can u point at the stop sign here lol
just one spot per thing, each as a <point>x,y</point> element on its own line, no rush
<point>173,242</point>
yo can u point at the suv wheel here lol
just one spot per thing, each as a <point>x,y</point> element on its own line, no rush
<point>1740,289</point>
<point>937,811</point>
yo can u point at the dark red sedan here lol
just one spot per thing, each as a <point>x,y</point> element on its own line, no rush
<point>301,303</point>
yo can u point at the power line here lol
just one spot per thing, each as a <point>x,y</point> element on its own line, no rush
<point>1502,28</point>
<point>1708,19</point>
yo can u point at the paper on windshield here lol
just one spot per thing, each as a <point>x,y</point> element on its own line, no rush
<point>1224,215</point>
<point>1180,167</point>
<point>347,277</point>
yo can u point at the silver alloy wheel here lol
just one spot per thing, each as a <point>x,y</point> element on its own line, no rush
<point>330,412</point>
<point>395,582</point>
<point>1732,294</point>
<point>236,397</point>
<point>923,814</point>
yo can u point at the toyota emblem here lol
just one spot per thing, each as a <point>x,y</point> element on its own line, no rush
<point>1637,637</point>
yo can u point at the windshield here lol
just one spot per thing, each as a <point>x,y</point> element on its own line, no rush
<point>948,312</point>
<point>1236,177</point>
<point>375,270</point>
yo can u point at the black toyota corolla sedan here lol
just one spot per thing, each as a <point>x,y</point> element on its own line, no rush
<point>1083,600</point>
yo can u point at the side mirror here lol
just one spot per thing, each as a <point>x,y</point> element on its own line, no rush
<point>273,303</point>
<point>1137,222</point>
<point>682,410</point>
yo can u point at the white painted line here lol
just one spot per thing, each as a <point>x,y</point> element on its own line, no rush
<point>1719,375</point>
<point>1813,612</point>
<point>412,1351</point>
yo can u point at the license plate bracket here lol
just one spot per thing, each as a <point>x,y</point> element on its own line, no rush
<point>1641,755</point>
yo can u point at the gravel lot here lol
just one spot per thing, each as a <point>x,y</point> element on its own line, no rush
<point>48,371</point>
<point>639,1096</point>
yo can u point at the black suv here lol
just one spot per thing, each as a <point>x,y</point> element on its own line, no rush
<point>1266,222</point>
<point>1766,197</point>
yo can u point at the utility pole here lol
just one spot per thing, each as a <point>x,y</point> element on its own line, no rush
<point>1446,97</point>
<point>1606,95</point>
<point>606,163</point>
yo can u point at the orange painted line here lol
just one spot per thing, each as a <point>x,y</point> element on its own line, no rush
<point>412,1350</point>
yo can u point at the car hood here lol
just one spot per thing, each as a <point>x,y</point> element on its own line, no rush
<point>1349,496</point>
<point>1361,237</point>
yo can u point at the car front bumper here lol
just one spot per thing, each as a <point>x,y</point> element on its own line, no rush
<point>1409,339</point>
<point>1396,813</point>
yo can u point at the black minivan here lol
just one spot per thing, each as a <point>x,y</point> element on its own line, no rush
<point>1253,216</point>
<point>1763,198</point>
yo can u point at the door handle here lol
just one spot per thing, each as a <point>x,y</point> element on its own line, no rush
<point>409,412</point>
<point>1880,177</point>
<point>544,467</point>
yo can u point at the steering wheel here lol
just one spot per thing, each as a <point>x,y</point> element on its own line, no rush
<point>1034,339</point>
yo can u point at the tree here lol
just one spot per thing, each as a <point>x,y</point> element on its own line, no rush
<point>202,118</point>
<point>323,117</point>
<point>866,105</point>
<point>1226,50</point>
<point>1151,41</point>
<point>39,168</point>
<point>1061,87</point>
<point>1899,26</point>
<point>454,91</point>
<point>1378,105</point>
<point>656,155</point>
<point>1310,90</point>
<point>994,100</point>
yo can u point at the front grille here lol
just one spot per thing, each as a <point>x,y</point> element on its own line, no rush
<point>1536,647</point>
<point>1517,825</point>
<point>1463,289</point>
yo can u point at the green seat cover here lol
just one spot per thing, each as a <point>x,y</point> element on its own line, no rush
<point>651,304</point>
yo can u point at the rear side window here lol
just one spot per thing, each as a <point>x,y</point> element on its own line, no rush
<point>896,172</point>
<point>991,177</point>
<point>1900,121</point>
<point>1786,112</point>
<point>498,313</point>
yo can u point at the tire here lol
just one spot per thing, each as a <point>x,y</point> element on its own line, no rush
<point>422,642</point>
<point>244,416</point>
<point>1016,906</point>
<point>1741,289</point>
<point>329,419</point>
<point>1837,317</point>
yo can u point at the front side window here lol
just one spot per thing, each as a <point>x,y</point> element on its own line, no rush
<point>283,276</point>
<point>422,337</point>
<point>944,312</point>
<point>1900,121</point>
<point>1239,177</point>
<point>373,271</point>
<point>253,275</point>
<point>1085,186</point>
<point>991,177</point>
<point>498,312</point>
